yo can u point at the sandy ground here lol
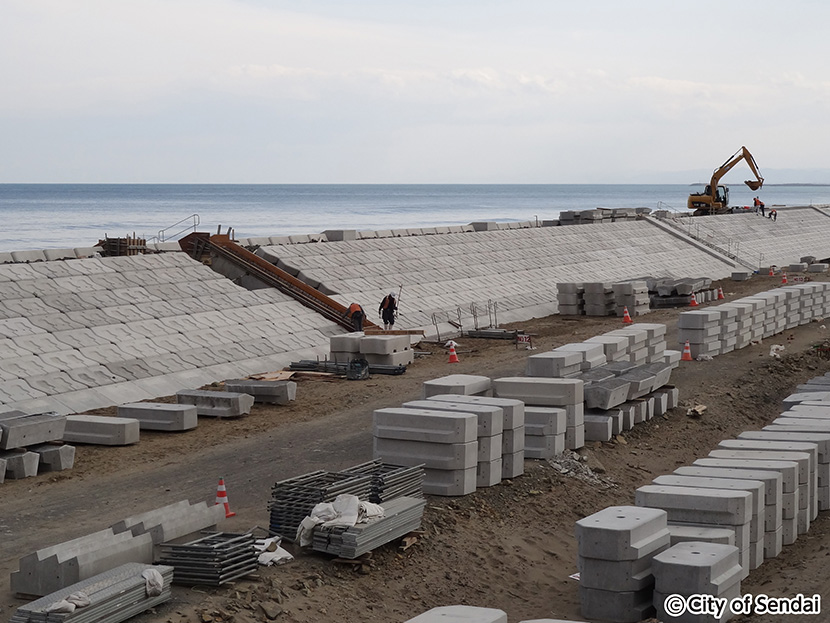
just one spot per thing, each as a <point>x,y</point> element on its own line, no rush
<point>511,546</point>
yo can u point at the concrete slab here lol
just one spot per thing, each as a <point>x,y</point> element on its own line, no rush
<point>160,416</point>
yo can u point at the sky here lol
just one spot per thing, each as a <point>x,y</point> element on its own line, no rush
<point>385,91</point>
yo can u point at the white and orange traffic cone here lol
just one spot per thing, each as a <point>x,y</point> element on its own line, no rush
<point>693,301</point>
<point>687,353</point>
<point>453,354</point>
<point>783,278</point>
<point>222,498</point>
<point>771,271</point>
<point>626,316</point>
<point>720,294</point>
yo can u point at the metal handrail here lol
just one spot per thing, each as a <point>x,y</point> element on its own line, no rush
<point>162,237</point>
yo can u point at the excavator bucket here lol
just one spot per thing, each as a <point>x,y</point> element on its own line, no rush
<point>754,184</point>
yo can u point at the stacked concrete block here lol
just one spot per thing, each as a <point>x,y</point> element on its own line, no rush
<point>19,431</point>
<point>545,432</point>
<point>698,534</point>
<point>101,430</point>
<point>808,479</point>
<point>638,342</point>
<point>268,392</point>
<point>513,429</point>
<point>550,392</point>
<point>216,404</point>
<point>822,442</point>
<point>554,364</point>
<point>615,347</point>
<point>570,297</point>
<point>445,442</point>
<point>808,429</point>
<point>696,568</point>
<point>616,547</point>
<point>701,328</point>
<point>460,614</point>
<point>755,487</point>
<point>633,296</point>
<point>463,384</point>
<point>599,299</point>
<point>592,354</point>
<point>160,415</point>
<point>705,507</point>
<point>345,347</point>
<point>655,340</point>
<point>490,420</point>
<point>781,526</point>
<point>387,350</point>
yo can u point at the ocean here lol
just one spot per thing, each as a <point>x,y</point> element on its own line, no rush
<point>42,216</point>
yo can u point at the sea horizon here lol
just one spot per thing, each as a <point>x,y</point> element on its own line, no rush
<point>58,215</point>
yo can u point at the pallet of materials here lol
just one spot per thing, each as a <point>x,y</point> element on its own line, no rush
<point>211,560</point>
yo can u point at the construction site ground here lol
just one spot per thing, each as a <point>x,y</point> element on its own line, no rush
<point>510,546</point>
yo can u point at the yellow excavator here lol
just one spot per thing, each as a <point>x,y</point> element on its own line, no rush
<point>715,199</point>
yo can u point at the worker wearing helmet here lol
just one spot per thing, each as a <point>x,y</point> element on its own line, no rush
<point>388,310</point>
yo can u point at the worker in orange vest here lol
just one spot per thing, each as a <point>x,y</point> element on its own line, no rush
<point>388,310</point>
<point>355,312</point>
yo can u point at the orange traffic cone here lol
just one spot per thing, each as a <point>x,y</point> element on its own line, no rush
<point>222,498</point>
<point>720,294</point>
<point>783,278</point>
<point>693,302</point>
<point>771,272</point>
<point>626,316</point>
<point>687,353</point>
<point>453,354</point>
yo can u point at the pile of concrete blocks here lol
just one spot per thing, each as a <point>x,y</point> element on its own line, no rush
<point>32,443</point>
<point>719,329</point>
<point>545,431</point>
<point>387,350</point>
<point>130,540</point>
<point>444,442</point>
<point>632,296</point>
<point>679,292</point>
<point>216,404</point>
<point>811,265</point>
<point>696,568</point>
<point>513,428</point>
<point>490,424</point>
<point>114,595</point>
<point>268,392</point>
<point>616,548</point>
<point>549,392</point>
<point>101,430</point>
<point>698,506</point>
<point>599,299</point>
<point>570,297</point>
<point>461,384</point>
<point>161,416</point>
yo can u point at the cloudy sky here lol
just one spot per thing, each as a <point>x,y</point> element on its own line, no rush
<point>426,91</point>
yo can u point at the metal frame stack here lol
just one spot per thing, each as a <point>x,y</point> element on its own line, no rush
<point>391,481</point>
<point>115,595</point>
<point>211,560</point>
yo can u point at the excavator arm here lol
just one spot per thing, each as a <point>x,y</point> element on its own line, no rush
<point>715,198</point>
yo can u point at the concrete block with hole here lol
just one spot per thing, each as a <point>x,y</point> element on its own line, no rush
<point>490,418</point>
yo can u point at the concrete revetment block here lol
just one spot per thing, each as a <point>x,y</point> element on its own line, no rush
<point>488,473</point>
<point>20,464</point>
<point>598,428</point>
<point>615,575</point>
<point>54,458</point>
<point>685,534</point>
<point>464,384</point>
<point>449,482</point>
<point>755,487</point>
<point>216,404</point>
<point>101,430</point>
<point>695,568</point>
<point>29,430</point>
<point>607,394</point>
<point>545,446</point>
<point>545,421</point>
<point>384,344</point>
<point>555,363</point>
<point>696,505</point>
<point>513,410</point>
<point>512,465</point>
<point>545,392</point>
<point>622,533</point>
<point>443,456</point>
<point>271,392</point>
<point>617,606</point>
<point>772,480</point>
<point>460,614</point>
<point>490,418</point>
<point>434,426</point>
<point>160,415</point>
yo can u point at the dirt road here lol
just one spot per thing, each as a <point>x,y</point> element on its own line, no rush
<point>509,546</point>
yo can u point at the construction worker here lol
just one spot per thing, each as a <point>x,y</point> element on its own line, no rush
<point>773,214</point>
<point>355,312</point>
<point>388,310</point>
